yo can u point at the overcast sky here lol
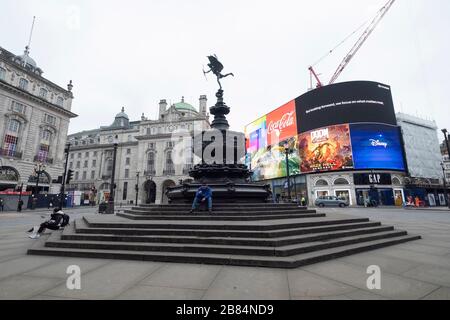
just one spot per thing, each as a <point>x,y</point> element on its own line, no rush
<point>134,53</point>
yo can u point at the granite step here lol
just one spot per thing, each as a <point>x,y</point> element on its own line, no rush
<point>226,240</point>
<point>218,259</point>
<point>219,217</point>
<point>229,225</point>
<point>286,250</point>
<point>83,228</point>
<point>223,211</point>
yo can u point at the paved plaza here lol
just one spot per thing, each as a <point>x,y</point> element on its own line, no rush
<point>414,270</point>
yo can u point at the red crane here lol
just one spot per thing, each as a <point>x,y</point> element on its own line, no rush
<point>380,14</point>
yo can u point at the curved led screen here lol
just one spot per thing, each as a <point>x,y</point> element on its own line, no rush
<point>346,102</point>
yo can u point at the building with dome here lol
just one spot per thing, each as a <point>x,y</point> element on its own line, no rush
<point>34,121</point>
<point>145,154</point>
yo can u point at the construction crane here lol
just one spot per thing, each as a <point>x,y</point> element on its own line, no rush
<point>380,14</point>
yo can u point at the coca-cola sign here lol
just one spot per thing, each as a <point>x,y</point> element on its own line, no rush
<point>281,123</point>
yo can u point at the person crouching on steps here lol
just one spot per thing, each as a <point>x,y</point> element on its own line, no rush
<point>57,219</point>
<point>203,194</point>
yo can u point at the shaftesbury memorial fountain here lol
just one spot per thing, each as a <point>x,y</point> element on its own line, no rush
<point>221,152</point>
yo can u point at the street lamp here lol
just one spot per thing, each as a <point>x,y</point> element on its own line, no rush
<point>137,186</point>
<point>63,185</point>
<point>39,169</point>
<point>444,131</point>
<point>287,151</point>
<point>445,184</point>
<point>110,207</point>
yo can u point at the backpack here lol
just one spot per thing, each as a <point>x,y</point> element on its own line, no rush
<point>65,220</point>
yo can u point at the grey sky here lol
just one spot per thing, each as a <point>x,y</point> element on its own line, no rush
<point>134,53</point>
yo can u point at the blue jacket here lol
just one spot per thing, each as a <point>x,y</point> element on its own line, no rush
<point>204,192</point>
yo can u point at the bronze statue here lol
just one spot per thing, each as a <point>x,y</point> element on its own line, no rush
<point>216,67</point>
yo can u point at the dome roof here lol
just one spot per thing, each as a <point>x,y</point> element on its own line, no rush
<point>26,57</point>
<point>183,106</point>
<point>122,114</point>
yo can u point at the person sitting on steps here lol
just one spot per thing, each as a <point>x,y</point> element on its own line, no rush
<point>58,219</point>
<point>203,194</point>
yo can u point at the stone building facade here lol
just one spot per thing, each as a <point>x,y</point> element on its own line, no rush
<point>34,121</point>
<point>146,153</point>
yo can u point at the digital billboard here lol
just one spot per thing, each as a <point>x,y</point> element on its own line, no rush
<point>325,149</point>
<point>346,102</point>
<point>281,123</point>
<point>376,146</point>
<point>256,136</point>
<point>270,162</point>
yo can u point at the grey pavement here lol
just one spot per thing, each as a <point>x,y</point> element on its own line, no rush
<point>414,270</point>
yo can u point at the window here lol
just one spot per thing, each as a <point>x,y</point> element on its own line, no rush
<point>10,145</point>
<point>70,165</point>
<point>2,73</point>
<point>109,165</point>
<point>151,145</point>
<point>321,182</point>
<point>92,175</point>
<point>79,155</point>
<point>127,161</point>
<point>49,119</point>
<point>14,126</point>
<point>94,163</point>
<point>125,187</point>
<point>76,175</point>
<point>170,144</point>
<point>127,173</point>
<point>71,155</point>
<point>23,84</point>
<point>78,164</point>
<point>151,162</point>
<point>86,154</point>
<point>18,107</point>
<point>43,93</point>
<point>95,153</point>
<point>43,152</point>
<point>341,181</point>
<point>148,131</point>
<point>46,135</point>
<point>84,175</point>
<point>85,164</point>
<point>128,151</point>
<point>59,101</point>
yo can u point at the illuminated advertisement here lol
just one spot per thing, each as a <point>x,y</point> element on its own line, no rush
<point>376,146</point>
<point>256,136</point>
<point>281,123</point>
<point>325,149</point>
<point>270,162</point>
<point>345,102</point>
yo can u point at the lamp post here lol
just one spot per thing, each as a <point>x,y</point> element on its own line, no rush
<point>63,185</point>
<point>39,169</point>
<point>110,207</point>
<point>444,131</point>
<point>445,184</point>
<point>287,150</point>
<point>137,186</point>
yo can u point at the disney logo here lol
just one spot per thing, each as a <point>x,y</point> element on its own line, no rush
<point>378,143</point>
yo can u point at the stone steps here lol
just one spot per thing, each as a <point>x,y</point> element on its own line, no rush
<point>204,217</point>
<point>238,260</point>
<point>249,235</point>
<point>83,228</point>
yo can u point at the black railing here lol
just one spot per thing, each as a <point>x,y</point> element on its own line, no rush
<point>43,159</point>
<point>169,171</point>
<point>150,172</point>
<point>10,153</point>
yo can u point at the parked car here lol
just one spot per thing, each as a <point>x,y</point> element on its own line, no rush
<point>331,201</point>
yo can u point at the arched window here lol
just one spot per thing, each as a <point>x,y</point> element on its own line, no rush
<point>341,181</point>
<point>59,101</point>
<point>396,181</point>
<point>23,84</point>
<point>43,93</point>
<point>321,183</point>
<point>2,73</point>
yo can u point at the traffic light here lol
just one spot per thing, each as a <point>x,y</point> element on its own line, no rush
<point>69,176</point>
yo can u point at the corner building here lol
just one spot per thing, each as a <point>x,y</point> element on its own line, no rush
<point>145,153</point>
